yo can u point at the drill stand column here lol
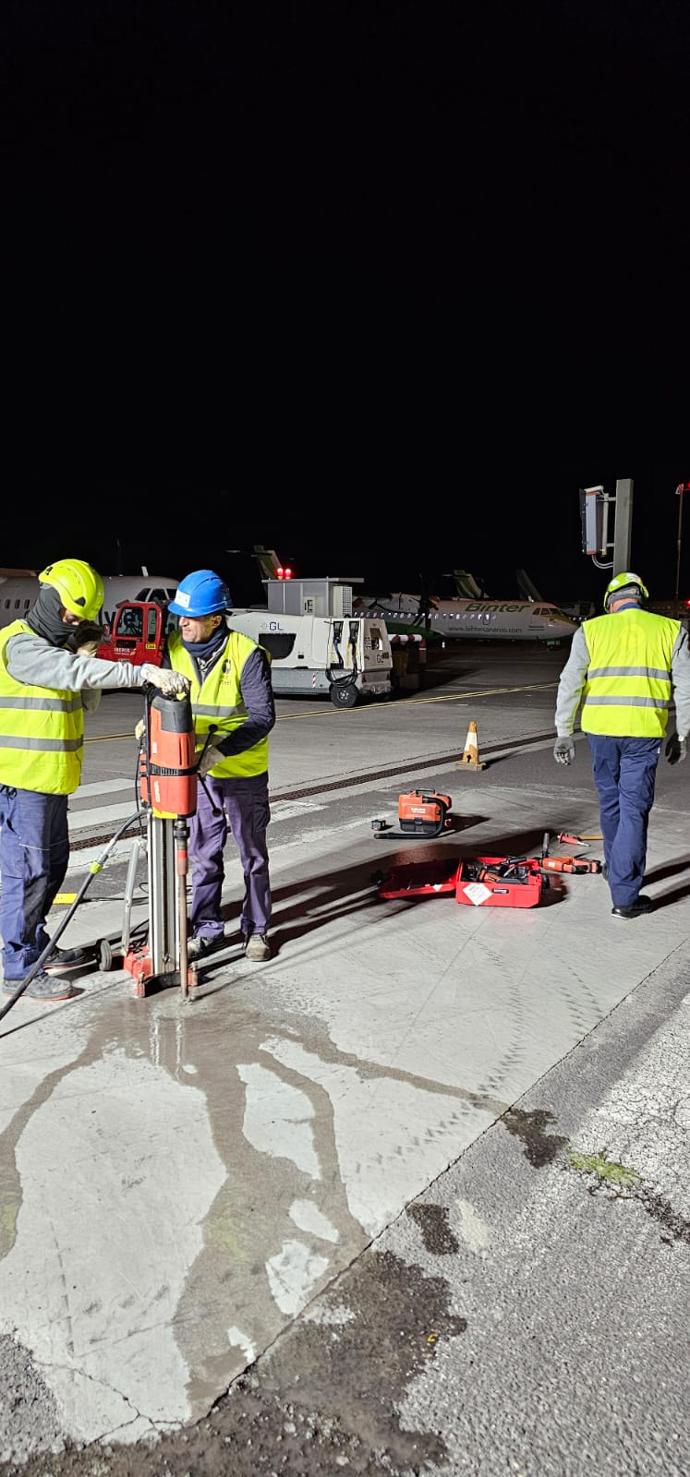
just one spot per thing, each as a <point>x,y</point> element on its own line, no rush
<point>163,960</point>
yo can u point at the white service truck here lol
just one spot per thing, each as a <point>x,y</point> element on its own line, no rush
<point>316,644</point>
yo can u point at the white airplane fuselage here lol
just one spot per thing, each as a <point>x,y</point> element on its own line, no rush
<point>457,619</point>
<point>19,591</point>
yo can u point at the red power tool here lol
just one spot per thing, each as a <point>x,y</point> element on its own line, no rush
<point>422,814</point>
<point>485,881</point>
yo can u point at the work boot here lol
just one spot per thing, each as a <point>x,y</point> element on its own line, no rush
<point>65,959</point>
<point>46,987</point>
<point>257,948</point>
<point>641,905</point>
<point>199,947</point>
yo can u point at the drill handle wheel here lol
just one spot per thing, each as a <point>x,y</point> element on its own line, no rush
<point>217,810</point>
<point>212,729</point>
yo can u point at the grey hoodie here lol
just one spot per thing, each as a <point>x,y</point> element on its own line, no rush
<point>37,662</point>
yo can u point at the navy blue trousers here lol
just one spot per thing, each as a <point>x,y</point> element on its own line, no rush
<point>34,851</point>
<point>242,807</point>
<point>624,774</point>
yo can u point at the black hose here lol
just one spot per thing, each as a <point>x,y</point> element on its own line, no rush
<point>93,871</point>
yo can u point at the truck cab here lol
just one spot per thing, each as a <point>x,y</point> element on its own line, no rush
<point>137,633</point>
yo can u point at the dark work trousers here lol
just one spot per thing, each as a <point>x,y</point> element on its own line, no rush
<point>243,808</point>
<point>624,774</point>
<point>34,851</point>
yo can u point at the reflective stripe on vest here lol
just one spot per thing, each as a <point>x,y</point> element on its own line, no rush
<point>218,701</point>
<point>41,730</point>
<point>628,689</point>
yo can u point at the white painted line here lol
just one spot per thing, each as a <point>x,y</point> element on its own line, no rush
<point>284,810</point>
<point>102,787</point>
<point>81,820</point>
<point>80,861</point>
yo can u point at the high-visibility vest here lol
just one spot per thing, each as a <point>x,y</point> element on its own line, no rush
<point>218,701</point>
<point>628,687</point>
<point>41,730</point>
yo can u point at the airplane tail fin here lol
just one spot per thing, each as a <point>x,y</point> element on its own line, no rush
<point>467,586</point>
<point>269,563</point>
<point>527,588</point>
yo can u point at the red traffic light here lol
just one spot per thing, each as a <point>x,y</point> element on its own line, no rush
<point>287,573</point>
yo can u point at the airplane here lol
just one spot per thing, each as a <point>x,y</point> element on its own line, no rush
<point>19,589</point>
<point>458,619</point>
<point>579,610</point>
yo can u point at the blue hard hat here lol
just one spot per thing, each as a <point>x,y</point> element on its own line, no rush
<point>201,593</point>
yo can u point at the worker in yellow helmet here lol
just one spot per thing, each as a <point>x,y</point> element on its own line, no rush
<point>627,665</point>
<point>49,674</point>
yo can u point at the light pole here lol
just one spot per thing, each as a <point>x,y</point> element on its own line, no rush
<point>681,488</point>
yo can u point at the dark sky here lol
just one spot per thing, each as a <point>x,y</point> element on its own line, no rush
<point>364,253</point>
<point>490,524</point>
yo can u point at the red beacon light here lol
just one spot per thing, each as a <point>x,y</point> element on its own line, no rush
<point>280,574</point>
<point>287,573</point>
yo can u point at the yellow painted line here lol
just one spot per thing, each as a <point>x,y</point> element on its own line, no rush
<point>329,711</point>
<point>106,738</point>
<point>447,697</point>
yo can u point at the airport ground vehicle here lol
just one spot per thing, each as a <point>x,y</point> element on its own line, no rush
<point>315,643</point>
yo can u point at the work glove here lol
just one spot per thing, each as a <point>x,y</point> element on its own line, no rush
<point>212,757</point>
<point>167,682</point>
<point>564,750</point>
<point>85,638</point>
<point>676,749</point>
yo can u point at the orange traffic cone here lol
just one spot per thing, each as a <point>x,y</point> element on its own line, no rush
<point>470,756</point>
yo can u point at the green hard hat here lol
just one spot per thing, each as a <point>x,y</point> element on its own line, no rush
<point>621,582</point>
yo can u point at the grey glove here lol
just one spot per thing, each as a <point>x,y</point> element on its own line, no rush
<point>564,750</point>
<point>676,749</point>
<point>212,757</point>
<point>167,682</point>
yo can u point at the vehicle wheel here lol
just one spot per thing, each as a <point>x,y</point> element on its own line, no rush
<point>344,694</point>
<point>105,956</point>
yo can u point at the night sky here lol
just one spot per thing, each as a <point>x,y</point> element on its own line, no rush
<point>489,525</point>
<point>321,255</point>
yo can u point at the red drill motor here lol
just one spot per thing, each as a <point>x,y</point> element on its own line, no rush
<point>168,762</point>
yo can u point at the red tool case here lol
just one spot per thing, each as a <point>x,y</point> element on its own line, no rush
<point>474,880</point>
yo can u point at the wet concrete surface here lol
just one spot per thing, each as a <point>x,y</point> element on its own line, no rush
<point>184,1185</point>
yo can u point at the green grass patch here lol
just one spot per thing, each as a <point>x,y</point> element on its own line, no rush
<point>605,1169</point>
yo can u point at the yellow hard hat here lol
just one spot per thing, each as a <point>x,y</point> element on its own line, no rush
<point>623,582</point>
<point>78,584</point>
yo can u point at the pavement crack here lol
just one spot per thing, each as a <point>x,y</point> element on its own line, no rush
<point>104,1384</point>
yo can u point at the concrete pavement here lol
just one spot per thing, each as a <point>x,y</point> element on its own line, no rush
<point>181,1184</point>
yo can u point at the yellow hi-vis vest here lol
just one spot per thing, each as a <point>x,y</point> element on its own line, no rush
<point>41,730</point>
<point>628,686</point>
<point>218,701</point>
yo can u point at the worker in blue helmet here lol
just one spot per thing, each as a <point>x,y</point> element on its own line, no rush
<point>232,698</point>
<point>626,669</point>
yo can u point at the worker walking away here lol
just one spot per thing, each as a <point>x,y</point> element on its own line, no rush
<point>626,665</point>
<point>232,697</point>
<point>48,676</point>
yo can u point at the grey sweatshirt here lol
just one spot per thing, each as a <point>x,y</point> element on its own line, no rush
<point>35,661</point>
<point>574,675</point>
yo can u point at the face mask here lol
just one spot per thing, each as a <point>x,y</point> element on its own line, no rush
<point>44,618</point>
